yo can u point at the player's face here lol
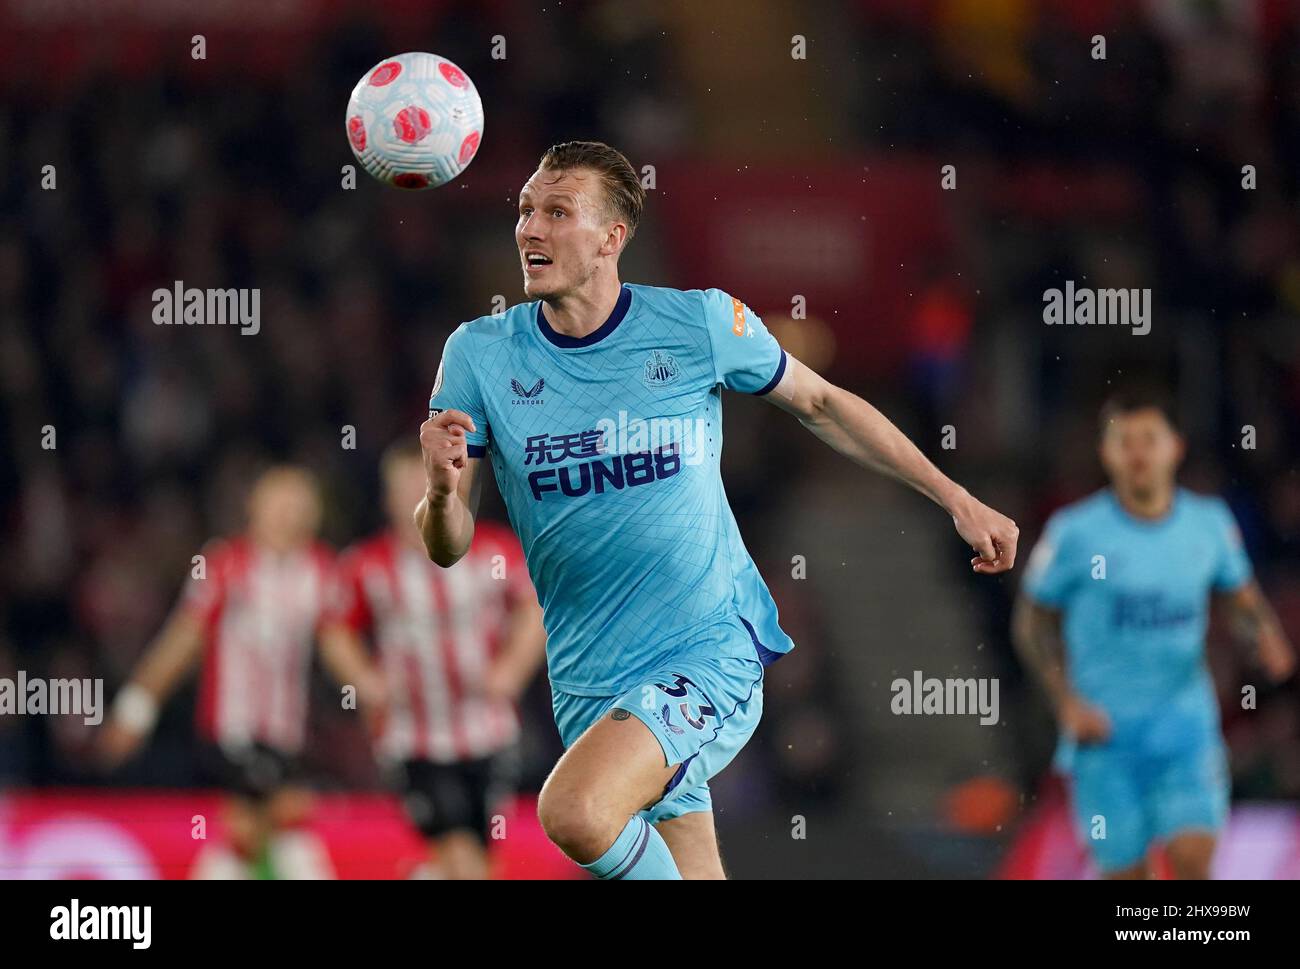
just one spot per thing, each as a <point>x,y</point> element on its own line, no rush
<point>562,220</point>
<point>284,510</point>
<point>1141,452</point>
<point>404,486</point>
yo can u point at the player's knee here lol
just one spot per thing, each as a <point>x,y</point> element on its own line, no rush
<point>574,822</point>
<point>1189,858</point>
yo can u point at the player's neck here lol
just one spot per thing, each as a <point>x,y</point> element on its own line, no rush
<point>1151,506</point>
<point>581,312</point>
<point>275,550</point>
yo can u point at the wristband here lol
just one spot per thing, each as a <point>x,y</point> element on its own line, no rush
<point>135,708</point>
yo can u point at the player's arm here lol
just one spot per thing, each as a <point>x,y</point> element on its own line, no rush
<point>1254,623</point>
<point>1036,633</point>
<point>523,650</point>
<point>861,433</point>
<point>344,656</point>
<point>445,516</point>
<point>173,653</point>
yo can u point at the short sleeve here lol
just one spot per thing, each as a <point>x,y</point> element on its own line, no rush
<point>1232,566</point>
<point>205,592</point>
<point>346,602</point>
<point>1051,570</point>
<point>456,388</point>
<point>746,357</point>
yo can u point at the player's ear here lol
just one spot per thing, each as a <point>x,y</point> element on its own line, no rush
<point>1180,448</point>
<point>614,239</point>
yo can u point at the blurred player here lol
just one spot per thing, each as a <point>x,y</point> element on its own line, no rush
<point>456,649</point>
<point>600,405</point>
<point>250,619</point>
<point>1112,616</point>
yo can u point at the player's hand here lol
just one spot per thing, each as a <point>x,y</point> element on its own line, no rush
<point>1275,654</point>
<point>445,450</point>
<point>117,744</point>
<point>1084,722</point>
<point>991,534</point>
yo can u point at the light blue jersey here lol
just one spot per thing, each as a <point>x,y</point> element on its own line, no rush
<point>1135,599</point>
<point>606,450</point>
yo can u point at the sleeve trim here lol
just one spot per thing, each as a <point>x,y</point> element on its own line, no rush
<point>776,378</point>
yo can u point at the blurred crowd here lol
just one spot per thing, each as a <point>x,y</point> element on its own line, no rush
<point>1126,171</point>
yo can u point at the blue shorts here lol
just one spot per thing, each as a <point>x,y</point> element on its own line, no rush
<point>701,709</point>
<point>1143,798</point>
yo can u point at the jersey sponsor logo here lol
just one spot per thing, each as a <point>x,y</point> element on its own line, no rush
<point>660,369</point>
<point>527,395</point>
<point>737,317</point>
<point>1150,610</point>
<point>557,448</point>
<point>613,473</point>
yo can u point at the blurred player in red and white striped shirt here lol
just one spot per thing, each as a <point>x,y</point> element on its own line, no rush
<point>455,649</point>
<point>249,615</point>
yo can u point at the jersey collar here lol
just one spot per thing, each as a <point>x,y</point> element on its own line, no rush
<point>1174,506</point>
<point>565,342</point>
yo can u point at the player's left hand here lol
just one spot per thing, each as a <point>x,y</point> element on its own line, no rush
<point>991,534</point>
<point>1276,655</point>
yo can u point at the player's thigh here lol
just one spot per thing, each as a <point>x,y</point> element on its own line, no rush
<point>1110,810</point>
<point>616,766</point>
<point>693,840</point>
<point>702,712</point>
<point>1189,795</point>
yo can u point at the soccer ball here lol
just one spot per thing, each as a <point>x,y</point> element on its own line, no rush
<point>415,121</point>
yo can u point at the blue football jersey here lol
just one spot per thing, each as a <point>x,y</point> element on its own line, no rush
<point>1135,599</point>
<point>606,451</point>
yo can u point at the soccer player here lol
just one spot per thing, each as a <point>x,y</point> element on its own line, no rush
<point>248,618</point>
<point>599,405</point>
<point>1112,616</point>
<point>456,649</point>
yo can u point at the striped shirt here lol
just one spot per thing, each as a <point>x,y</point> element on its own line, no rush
<point>260,612</point>
<point>436,631</point>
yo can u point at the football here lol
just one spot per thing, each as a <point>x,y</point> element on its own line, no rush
<point>415,121</point>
